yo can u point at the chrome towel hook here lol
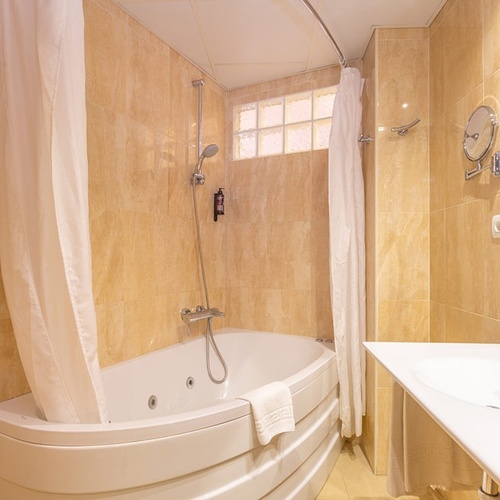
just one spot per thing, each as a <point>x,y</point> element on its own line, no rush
<point>403,129</point>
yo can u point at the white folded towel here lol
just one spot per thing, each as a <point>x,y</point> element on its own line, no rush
<point>272,410</point>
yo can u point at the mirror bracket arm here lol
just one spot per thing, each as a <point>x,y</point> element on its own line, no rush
<point>494,166</point>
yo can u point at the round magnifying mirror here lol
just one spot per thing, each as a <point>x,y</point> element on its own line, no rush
<point>480,133</point>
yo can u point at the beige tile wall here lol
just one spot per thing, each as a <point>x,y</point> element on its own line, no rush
<point>436,264</point>
<point>370,179</point>
<point>397,204</point>
<point>142,142</point>
<point>269,272</point>
<point>465,263</point>
<point>277,215</point>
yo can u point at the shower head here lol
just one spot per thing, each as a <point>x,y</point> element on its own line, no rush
<point>208,152</point>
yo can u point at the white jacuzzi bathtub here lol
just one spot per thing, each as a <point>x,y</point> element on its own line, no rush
<point>173,434</point>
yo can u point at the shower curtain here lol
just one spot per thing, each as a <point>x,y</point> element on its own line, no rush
<point>44,227</point>
<point>347,249</point>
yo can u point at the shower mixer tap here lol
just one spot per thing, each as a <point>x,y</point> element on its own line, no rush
<point>200,313</point>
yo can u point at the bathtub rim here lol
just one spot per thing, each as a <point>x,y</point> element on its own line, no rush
<point>34,430</point>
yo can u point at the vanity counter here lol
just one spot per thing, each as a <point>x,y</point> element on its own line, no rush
<point>474,427</point>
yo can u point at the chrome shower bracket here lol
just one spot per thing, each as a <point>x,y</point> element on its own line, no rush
<point>494,166</point>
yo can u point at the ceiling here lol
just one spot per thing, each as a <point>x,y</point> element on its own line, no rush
<point>242,42</point>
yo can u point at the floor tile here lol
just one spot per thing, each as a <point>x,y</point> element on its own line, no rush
<point>352,479</point>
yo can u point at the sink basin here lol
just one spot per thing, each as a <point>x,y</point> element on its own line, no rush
<point>476,380</point>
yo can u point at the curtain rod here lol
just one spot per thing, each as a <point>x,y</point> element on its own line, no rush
<point>312,10</point>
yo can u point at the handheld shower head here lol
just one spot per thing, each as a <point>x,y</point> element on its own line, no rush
<point>208,152</point>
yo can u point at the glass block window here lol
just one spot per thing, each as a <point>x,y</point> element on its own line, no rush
<point>288,124</point>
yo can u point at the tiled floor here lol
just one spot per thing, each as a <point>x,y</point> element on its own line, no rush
<point>353,479</point>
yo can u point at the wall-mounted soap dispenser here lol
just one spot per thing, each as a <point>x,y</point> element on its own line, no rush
<point>218,204</point>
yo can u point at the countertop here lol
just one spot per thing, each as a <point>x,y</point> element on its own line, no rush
<point>475,428</point>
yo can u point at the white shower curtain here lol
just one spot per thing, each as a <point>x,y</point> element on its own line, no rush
<point>44,227</point>
<point>347,249</point>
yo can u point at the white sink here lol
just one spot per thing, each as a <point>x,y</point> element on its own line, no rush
<point>476,380</point>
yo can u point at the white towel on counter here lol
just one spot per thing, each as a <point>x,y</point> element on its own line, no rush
<point>272,409</point>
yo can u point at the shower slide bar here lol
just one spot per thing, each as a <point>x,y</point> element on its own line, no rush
<point>313,11</point>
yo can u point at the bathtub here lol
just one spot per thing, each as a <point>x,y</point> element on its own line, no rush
<point>173,434</point>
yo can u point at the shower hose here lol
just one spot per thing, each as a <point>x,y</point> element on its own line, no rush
<point>209,337</point>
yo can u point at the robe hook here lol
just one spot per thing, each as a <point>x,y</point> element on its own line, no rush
<point>403,129</point>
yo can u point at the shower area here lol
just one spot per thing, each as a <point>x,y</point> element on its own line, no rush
<point>266,259</point>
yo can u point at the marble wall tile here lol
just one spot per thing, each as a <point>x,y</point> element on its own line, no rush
<point>438,170</point>
<point>110,328</point>
<point>13,380</point>
<point>464,249</point>
<point>246,254</point>
<point>403,171</point>
<point>259,309</point>
<point>384,403</point>
<point>106,151</point>
<point>184,95</point>
<point>147,83</point>
<point>278,231</point>
<point>440,16</point>
<point>180,192</point>
<point>144,325</point>
<point>274,194</point>
<point>397,198</point>
<point>438,278</point>
<point>298,255</point>
<point>463,41</point>
<point>140,179</point>
<point>181,255</point>
<point>247,194</point>
<point>320,255</point>
<point>321,311</point>
<point>296,183</point>
<point>400,34</point>
<point>492,98</point>
<point>491,43</point>
<point>437,322</point>
<point>403,81</point>
<point>105,63</point>
<point>369,101</point>
<point>491,247</point>
<point>107,233</point>
<point>436,74</point>
<point>491,333</point>
<point>463,326</point>
<point>213,240</point>
<point>141,156</point>
<point>403,320</point>
<point>403,258</point>
<point>138,247</point>
<point>276,271</point>
<point>319,184</point>
<point>4,310</point>
<point>300,312</point>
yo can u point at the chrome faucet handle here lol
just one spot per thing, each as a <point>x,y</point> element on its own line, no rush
<point>185,312</point>
<point>200,313</point>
